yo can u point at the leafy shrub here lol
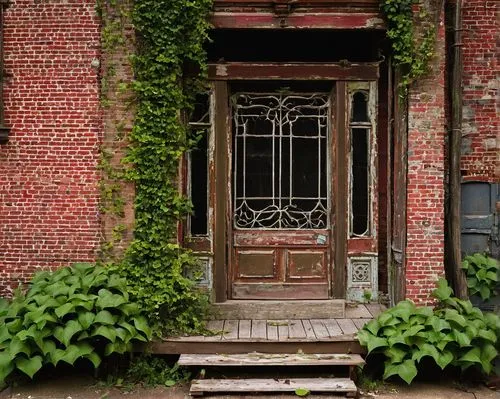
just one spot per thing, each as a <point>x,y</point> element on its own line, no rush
<point>153,370</point>
<point>82,311</point>
<point>454,333</point>
<point>482,275</point>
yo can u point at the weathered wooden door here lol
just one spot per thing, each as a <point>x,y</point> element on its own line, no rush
<point>280,212</point>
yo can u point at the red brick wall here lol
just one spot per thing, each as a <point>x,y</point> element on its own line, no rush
<point>425,195</point>
<point>48,177</point>
<point>480,147</point>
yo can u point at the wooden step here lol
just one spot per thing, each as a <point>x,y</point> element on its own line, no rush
<point>271,359</point>
<point>313,385</point>
<point>272,310</point>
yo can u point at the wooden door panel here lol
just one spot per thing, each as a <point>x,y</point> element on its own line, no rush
<point>306,264</point>
<point>258,264</point>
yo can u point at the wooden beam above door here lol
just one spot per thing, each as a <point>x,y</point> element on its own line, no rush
<point>293,71</point>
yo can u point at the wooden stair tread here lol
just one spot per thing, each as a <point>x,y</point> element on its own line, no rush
<point>274,359</point>
<point>343,385</point>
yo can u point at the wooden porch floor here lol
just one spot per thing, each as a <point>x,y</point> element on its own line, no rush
<point>277,336</point>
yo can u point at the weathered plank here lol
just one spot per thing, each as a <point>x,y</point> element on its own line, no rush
<point>283,330</point>
<point>347,326</point>
<point>272,330</point>
<point>296,329</point>
<point>332,327</point>
<point>199,387</point>
<point>319,329</point>
<point>259,329</point>
<point>216,327</point>
<point>360,322</point>
<point>357,311</point>
<point>340,344</point>
<point>271,359</point>
<point>308,329</point>
<point>273,310</point>
<point>230,330</point>
<point>245,329</point>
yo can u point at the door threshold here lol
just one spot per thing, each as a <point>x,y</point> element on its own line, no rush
<point>279,309</point>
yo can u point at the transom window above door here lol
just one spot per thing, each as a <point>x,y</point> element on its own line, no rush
<point>281,160</point>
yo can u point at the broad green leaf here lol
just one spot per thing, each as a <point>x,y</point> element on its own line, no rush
<point>485,292</point>
<point>17,346</point>
<point>443,291</point>
<point>426,350</point>
<point>14,326</point>
<point>109,300</point>
<point>105,317</point>
<point>171,383</point>
<point>444,359</point>
<point>396,354</point>
<point>406,370</point>
<point>116,347</point>
<point>4,334</point>
<point>29,366</point>
<point>63,310</point>
<point>141,324</point>
<point>130,309</point>
<point>47,346</point>
<point>106,332</point>
<point>454,316</point>
<point>488,354</point>
<point>461,338</point>
<point>94,358</point>
<point>473,356</point>
<point>439,324</point>
<point>86,319</point>
<point>491,276</point>
<point>376,342</point>
<point>5,370</point>
<point>488,335</point>
<point>64,334</point>
<point>396,339</point>
<point>298,391</point>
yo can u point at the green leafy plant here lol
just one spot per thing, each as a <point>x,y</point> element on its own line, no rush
<point>454,333</point>
<point>410,53</point>
<point>171,36</point>
<point>82,311</point>
<point>153,371</point>
<point>482,275</point>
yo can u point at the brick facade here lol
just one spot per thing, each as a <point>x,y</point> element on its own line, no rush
<point>48,176</point>
<point>425,180</point>
<point>481,136</point>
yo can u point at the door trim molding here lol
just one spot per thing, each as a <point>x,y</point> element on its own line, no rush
<point>293,71</point>
<point>221,190</point>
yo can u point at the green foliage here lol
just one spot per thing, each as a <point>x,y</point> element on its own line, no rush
<point>171,35</point>
<point>412,56</point>
<point>82,311</point>
<point>454,333</point>
<point>482,275</point>
<point>153,371</point>
<point>302,392</point>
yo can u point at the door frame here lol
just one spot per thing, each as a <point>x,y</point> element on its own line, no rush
<point>221,74</point>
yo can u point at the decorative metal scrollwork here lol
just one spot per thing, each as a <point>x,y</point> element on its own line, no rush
<point>280,161</point>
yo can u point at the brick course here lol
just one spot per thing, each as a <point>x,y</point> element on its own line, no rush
<point>48,176</point>
<point>480,149</point>
<point>425,179</point>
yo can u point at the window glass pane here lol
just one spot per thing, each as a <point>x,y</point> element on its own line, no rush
<point>359,111</point>
<point>199,187</point>
<point>279,160</point>
<point>360,181</point>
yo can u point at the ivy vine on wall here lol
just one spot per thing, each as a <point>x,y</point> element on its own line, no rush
<point>170,39</point>
<point>411,50</point>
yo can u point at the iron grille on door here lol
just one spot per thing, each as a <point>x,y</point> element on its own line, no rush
<point>280,161</point>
